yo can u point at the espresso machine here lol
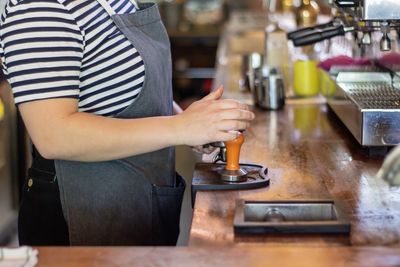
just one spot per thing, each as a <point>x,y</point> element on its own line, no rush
<point>367,98</point>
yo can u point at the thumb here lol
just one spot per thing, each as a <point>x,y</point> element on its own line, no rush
<point>215,95</point>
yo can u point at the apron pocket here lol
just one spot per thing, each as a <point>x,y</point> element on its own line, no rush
<point>40,220</point>
<point>166,210</point>
<point>40,184</point>
<point>40,191</point>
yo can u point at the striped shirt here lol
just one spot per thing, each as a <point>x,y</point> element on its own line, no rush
<point>70,49</point>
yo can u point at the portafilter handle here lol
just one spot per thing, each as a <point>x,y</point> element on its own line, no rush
<point>307,30</point>
<point>318,35</point>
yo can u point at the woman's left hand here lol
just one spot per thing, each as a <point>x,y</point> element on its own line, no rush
<point>206,149</point>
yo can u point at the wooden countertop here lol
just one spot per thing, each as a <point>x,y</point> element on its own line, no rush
<point>245,256</point>
<point>311,156</point>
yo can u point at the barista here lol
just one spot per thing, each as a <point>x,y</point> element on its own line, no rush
<point>93,86</point>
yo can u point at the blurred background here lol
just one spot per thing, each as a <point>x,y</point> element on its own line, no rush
<point>195,27</point>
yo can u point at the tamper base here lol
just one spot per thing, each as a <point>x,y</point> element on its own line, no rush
<point>234,176</point>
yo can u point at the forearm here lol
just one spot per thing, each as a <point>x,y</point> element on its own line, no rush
<point>59,131</point>
<point>85,137</point>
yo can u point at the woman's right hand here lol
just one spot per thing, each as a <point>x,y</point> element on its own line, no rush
<point>212,119</point>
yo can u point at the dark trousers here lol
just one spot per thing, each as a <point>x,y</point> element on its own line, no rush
<point>41,221</point>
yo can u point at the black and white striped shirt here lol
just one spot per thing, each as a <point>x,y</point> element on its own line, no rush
<point>70,49</point>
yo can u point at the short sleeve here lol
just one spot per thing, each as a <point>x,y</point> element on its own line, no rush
<point>41,50</point>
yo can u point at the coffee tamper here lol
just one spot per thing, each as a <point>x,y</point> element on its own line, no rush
<point>232,171</point>
<point>228,175</point>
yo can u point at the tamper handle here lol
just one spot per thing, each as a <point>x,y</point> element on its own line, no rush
<point>233,152</point>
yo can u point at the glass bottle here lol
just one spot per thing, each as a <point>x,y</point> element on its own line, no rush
<point>277,51</point>
<point>279,5</point>
<point>287,5</point>
<point>306,13</point>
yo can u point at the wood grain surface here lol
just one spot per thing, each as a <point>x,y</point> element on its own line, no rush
<point>245,256</point>
<point>311,156</point>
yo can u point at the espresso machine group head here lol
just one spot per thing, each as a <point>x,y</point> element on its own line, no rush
<point>366,97</point>
<point>358,16</point>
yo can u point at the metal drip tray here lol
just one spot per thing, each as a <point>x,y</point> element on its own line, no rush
<point>313,216</point>
<point>373,95</point>
<point>368,103</point>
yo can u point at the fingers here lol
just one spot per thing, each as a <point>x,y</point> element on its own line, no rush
<point>233,125</point>
<point>197,149</point>
<point>204,149</point>
<point>209,150</point>
<point>230,104</point>
<point>236,114</point>
<point>215,95</point>
<point>224,103</point>
<point>227,136</point>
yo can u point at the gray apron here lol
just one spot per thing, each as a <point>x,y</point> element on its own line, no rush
<point>135,200</point>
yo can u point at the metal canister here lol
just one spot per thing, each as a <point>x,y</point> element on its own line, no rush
<point>269,89</point>
<point>251,68</point>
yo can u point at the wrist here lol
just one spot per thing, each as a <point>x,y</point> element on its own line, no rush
<point>178,129</point>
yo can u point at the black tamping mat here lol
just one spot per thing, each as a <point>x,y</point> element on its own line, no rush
<point>207,176</point>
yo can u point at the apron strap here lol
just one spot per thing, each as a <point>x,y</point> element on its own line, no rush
<point>110,10</point>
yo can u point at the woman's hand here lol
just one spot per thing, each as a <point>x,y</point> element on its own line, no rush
<point>212,119</point>
<point>204,149</point>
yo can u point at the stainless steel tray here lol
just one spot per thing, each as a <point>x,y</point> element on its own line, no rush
<point>368,103</point>
<point>291,216</point>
